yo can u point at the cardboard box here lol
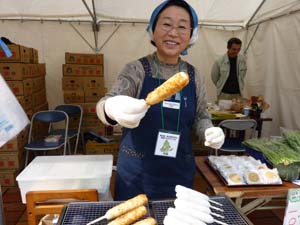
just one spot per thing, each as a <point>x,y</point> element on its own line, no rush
<point>82,70</point>
<point>33,70</point>
<point>39,83</point>
<point>23,87</point>
<point>101,130</point>
<point>93,83</point>
<point>25,102</point>
<point>39,98</point>
<point>19,54</point>
<point>67,172</point>
<point>75,96</point>
<point>79,58</point>
<point>10,160</point>
<point>8,177</point>
<point>72,83</point>
<point>29,113</point>
<point>88,108</point>
<point>41,69</point>
<point>14,71</point>
<point>90,120</point>
<point>95,148</point>
<point>94,95</point>
<point>33,55</point>
<point>42,107</point>
<point>16,144</point>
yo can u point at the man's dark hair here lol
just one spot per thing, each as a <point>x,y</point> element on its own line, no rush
<point>232,41</point>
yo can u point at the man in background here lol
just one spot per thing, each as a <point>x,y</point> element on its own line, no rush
<point>228,71</point>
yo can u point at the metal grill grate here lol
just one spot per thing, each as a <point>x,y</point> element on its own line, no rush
<point>80,213</point>
<point>231,215</point>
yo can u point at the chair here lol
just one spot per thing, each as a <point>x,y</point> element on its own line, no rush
<point>236,130</point>
<point>51,202</point>
<point>75,114</point>
<point>36,142</point>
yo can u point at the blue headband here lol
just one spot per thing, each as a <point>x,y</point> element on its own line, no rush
<point>156,12</point>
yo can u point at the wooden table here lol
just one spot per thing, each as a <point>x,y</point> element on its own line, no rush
<point>257,196</point>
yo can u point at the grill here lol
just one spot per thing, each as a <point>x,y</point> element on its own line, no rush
<point>80,213</point>
<point>231,214</point>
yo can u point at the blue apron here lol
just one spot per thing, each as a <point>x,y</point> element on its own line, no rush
<point>138,169</point>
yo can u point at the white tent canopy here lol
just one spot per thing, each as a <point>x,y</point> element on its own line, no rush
<point>269,29</point>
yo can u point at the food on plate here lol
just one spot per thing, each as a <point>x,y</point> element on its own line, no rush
<point>235,178</point>
<point>130,217</point>
<point>126,206</point>
<point>147,221</point>
<point>243,170</point>
<point>253,177</point>
<point>271,176</point>
<point>168,88</point>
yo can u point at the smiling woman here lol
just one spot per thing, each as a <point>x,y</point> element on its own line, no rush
<point>156,151</point>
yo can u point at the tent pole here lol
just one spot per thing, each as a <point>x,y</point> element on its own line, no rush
<point>254,14</point>
<point>95,26</point>
<point>78,32</point>
<point>251,39</point>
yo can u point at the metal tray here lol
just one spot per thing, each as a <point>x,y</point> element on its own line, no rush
<point>81,213</point>
<point>235,185</point>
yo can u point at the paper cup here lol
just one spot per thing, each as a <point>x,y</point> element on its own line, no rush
<point>246,111</point>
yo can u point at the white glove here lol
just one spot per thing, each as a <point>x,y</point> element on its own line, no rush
<point>214,137</point>
<point>127,111</point>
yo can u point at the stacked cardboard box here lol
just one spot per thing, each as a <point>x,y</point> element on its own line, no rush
<point>83,84</point>
<point>26,78</point>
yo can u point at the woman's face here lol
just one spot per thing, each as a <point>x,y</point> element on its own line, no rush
<point>172,33</point>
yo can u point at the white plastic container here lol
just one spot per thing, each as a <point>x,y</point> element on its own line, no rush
<point>67,172</point>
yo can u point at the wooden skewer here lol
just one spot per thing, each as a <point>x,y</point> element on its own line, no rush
<point>217,215</point>
<point>216,208</point>
<point>217,203</point>
<point>96,220</point>
<point>220,222</point>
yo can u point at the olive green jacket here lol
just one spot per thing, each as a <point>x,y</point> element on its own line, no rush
<point>220,72</point>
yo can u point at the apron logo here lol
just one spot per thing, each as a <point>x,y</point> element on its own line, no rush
<point>166,148</point>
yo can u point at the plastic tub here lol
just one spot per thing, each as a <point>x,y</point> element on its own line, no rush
<point>67,172</point>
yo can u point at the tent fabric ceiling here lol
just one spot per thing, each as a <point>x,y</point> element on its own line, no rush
<point>224,13</point>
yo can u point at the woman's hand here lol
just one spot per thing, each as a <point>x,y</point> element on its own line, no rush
<point>214,137</point>
<point>125,110</point>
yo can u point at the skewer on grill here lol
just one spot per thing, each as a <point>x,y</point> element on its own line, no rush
<point>202,216</point>
<point>122,208</point>
<point>188,204</point>
<point>196,200</point>
<point>196,194</point>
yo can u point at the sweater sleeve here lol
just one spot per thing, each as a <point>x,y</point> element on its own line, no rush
<point>215,73</point>
<point>202,121</point>
<point>129,83</point>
